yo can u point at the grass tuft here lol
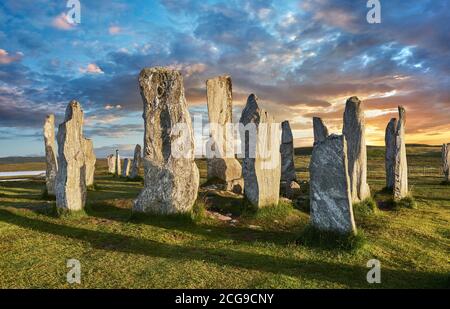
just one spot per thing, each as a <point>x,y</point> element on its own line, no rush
<point>366,207</point>
<point>47,197</point>
<point>406,202</point>
<point>313,237</point>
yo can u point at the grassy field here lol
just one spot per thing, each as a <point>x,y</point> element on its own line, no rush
<point>255,250</point>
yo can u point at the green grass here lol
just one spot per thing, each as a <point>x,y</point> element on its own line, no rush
<point>272,248</point>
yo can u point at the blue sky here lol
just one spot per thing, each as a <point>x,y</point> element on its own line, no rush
<point>301,58</point>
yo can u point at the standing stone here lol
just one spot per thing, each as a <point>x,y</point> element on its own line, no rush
<point>401,165</point>
<point>126,167</point>
<point>222,164</point>
<point>90,159</point>
<point>330,196</point>
<point>354,132</point>
<point>111,159</point>
<point>261,166</point>
<point>71,177</point>
<point>446,161</point>
<point>288,182</point>
<point>137,159</point>
<point>118,165</point>
<point>389,163</point>
<point>171,177</point>
<point>320,130</point>
<point>50,154</point>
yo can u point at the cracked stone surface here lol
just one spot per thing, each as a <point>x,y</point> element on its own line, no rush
<point>446,161</point>
<point>50,154</point>
<point>320,130</point>
<point>137,162</point>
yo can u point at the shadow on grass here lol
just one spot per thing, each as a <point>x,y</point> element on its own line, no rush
<point>348,275</point>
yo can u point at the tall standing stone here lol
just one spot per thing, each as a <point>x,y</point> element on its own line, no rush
<point>111,159</point>
<point>261,165</point>
<point>171,177</point>
<point>389,163</point>
<point>330,195</point>
<point>401,165</point>
<point>71,177</point>
<point>50,154</point>
<point>90,159</point>
<point>118,165</point>
<point>137,161</point>
<point>320,130</point>
<point>446,161</point>
<point>288,182</point>
<point>126,167</point>
<point>354,132</point>
<point>221,163</point>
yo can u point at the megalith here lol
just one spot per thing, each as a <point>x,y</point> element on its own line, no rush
<point>401,165</point>
<point>354,132</point>
<point>446,161</point>
<point>50,154</point>
<point>221,162</point>
<point>118,165</point>
<point>126,167</point>
<point>71,176</point>
<point>320,130</point>
<point>111,159</point>
<point>171,177</point>
<point>90,159</point>
<point>330,195</point>
<point>137,162</point>
<point>288,182</point>
<point>389,162</point>
<point>261,167</point>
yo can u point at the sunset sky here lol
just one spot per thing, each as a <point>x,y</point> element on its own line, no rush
<point>301,58</point>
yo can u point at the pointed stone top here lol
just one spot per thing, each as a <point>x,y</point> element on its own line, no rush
<point>250,110</point>
<point>353,99</point>
<point>74,108</point>
<point>50,117</point>
<point>320,130</point>
<point>286,133</point>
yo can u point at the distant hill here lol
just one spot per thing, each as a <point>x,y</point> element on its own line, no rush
<point>13,160</point>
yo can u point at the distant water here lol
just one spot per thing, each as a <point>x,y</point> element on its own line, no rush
<point>22,173</point>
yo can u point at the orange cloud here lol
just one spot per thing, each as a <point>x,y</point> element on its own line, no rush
<point>113,30</point>
<point>92,68</point>
<point>61,22</point>
<point>5,58</point>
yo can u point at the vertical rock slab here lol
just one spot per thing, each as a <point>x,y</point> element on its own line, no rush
<point>137,161</point>
<point>401,165</point>
<point>354,131</point>
<point>118,165</point>
<point>71,176</point>
<point>446,161</point>
<point>320,130</point>
<point>389,163</point>
<point>171,177</point>
<point>111,159</point>
<point>90,159</point>
<point>288,182</point>
<point>222,164</point>
<point>261,165</point>
<point>126,167</point>
<point>330,195</point>
<point>50,154</point>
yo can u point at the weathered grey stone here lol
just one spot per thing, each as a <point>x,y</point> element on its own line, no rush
<point>446,161</point>
<point>71,176</point>
<point>50,154</point>
<point>389,163</point>
<point>118,165</point>
<point>261,166</point>
<point>137,162</point>
<point>401,165</point>
<point>222,164</point>
<point>171,178</point>
<point>330,196</point>
<point>290,189</point>
<point>320,130</point>
<point>111,159</point>
<point>354,132</point>
<point>90,159</point>
<point>287,153</point>
<point>126,167</point>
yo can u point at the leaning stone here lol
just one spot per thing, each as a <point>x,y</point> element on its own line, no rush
<point>111,159</point>
<point>90,160</point>
<point>221,163</point>
<point>389,163</point>
<point>330,196</point>
<point>137,161</point>
<point>71,177</point>
<point>50,154</point>
<point>171,178</point>
<point>287,153</point>
<point>118,165</point>
<point>354,132</point>
<point>126,167</point>
<point>261,165</point>
<point>401,165</point>
<point>320,130</point>
<point>446,161</point>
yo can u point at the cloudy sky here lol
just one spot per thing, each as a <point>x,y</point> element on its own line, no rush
<point>301,58</point>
